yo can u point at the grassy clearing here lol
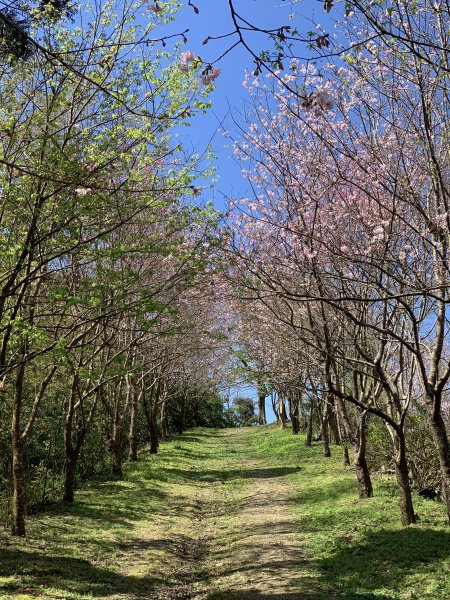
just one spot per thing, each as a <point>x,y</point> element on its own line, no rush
<point>219,515</point>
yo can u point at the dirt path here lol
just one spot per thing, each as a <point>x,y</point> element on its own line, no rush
<point>244,541</point>
<point>208,518</point>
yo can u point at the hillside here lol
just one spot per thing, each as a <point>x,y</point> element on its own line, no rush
<point>230,514</point>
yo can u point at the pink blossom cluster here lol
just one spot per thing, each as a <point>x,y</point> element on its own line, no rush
<point>185,60</point>
<point>155,7</point>
<point>210,75</point>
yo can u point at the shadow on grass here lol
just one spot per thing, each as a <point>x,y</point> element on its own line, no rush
<point>206,475</point>
<point>120,508</point>
<point>252,594</point>
<point>384,559</point>
<point>329,492</point>
<point>73,575</point>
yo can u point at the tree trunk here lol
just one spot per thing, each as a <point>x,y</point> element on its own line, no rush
<point>69,476</point>
<point>181,416</point>
<point>282,410</point>
<point>116,448</point>
<point>401,471</point>
<point>359,450</point>
<point>345,455</point>
<point>275,407</point>
<point>153,427</point>
<point>442,444</point>
<point>164,419</point>
<point>309,430</point>
<point>324,431</point>
<point>333,427</point>
<point>261,408</point>
<point>132,450</point>
<point>325,441</point>
<point>294,411</point>
<point>18,499</point>
<point>71,457</point>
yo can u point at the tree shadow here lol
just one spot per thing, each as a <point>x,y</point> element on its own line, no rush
<point>73,575</point>
<point>384,559</point>
<point>119,506</point>
<point>212,475</point>
<point>252,594</point>
<point>333,491</point>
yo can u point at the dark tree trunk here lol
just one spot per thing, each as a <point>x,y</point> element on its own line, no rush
<point>401,471</point>
<point>132,450</point>
<point>164,420</point>
<point>359,450</point>
<point>18,499</point>
<point>116,458</point>
<point>153,426</point>
<point>294,410</point>
<point>116,447</point>
<point>442,444</point>
<point>69,476</point>
<point>150,414</point>
<point>282,410</point>
<point>181,416</point>
<point>73,442</point>
<point>309,430</point>
<point>71,454</point>
<point>261,408</point>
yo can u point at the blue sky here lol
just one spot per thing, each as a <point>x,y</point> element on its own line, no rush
<point>214,19</point>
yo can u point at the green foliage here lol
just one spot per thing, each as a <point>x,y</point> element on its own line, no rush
<point>101,241</point>
<point>422,456</point>
<point>242,412</point>
<point>205,409</point>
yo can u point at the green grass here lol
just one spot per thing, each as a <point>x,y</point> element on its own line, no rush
<point>84,551</point>
<point>176,516</point>
<point>358,545</point>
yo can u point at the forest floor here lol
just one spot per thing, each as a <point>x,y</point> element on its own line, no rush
<point>243,514</point>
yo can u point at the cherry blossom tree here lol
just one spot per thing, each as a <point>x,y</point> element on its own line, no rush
<point>351,212</point>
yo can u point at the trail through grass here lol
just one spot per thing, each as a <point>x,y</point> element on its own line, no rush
<point>231,514</point>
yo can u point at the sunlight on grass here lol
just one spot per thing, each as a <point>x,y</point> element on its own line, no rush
<point>359,545</point>
<point>128,539</point>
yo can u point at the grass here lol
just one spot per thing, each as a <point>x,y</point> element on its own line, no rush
<point>358,545</point>
<point>175,527</point>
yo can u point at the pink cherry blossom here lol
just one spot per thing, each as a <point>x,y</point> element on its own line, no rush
<point>210,76</point>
